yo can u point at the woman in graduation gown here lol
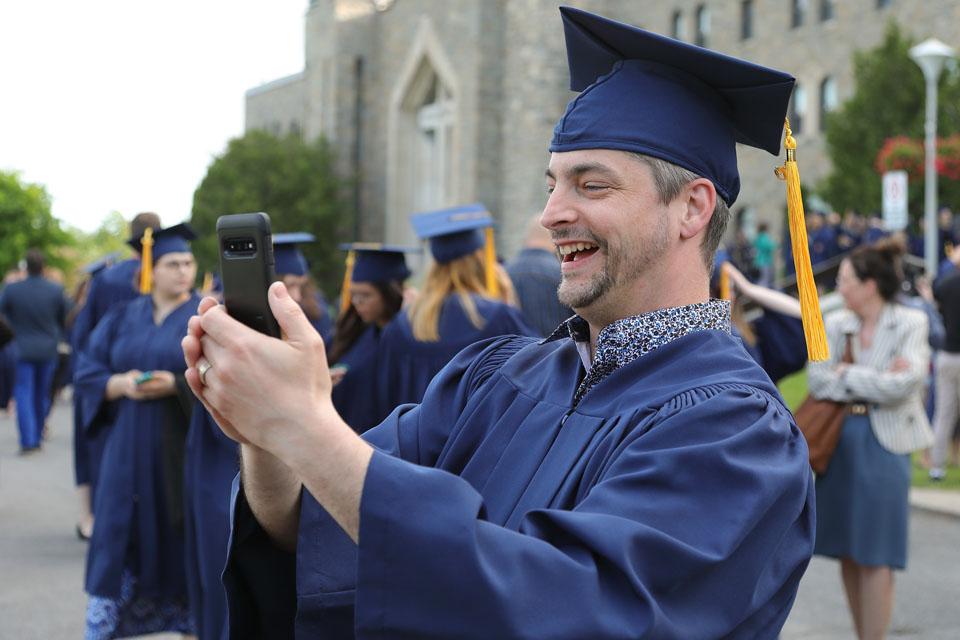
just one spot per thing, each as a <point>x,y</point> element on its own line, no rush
<point>467,297</point>
<point>132,370</point>
<point>373,293</point>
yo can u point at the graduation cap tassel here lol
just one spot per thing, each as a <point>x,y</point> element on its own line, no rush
<point>724,282</point>
<point>490,265</point>
<point>207,287</point>
<point>146,261</point>
<point>347,276</point>
<point>817,349</point>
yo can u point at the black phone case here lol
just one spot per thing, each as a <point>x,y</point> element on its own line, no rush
<point>247,272</point>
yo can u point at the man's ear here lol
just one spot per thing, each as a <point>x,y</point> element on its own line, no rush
<point>700,197</point>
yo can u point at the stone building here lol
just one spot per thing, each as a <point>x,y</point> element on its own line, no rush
<point>432,103</point>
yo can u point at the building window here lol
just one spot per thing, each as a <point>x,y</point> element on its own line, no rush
<point>828,100</point>
<point>676,26</point>
<point>703,26</point>
<point>798,13</point>
<point>746,19</point>
<point>798,109</point>
<point>827,10</point>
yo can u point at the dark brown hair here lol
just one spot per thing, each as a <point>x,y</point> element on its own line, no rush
<point>350,326</point>
<point>880,262</point>
<point>34,262</point>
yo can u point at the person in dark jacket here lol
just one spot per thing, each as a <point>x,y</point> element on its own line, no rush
<point>535,273</point>
<point>35,308</point>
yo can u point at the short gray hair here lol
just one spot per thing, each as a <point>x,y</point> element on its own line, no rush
<point>670,179</point>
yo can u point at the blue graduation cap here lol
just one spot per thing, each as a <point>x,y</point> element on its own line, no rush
<point>173,239</point>
<point>376,262</point>
<point>153,245</point>
<point>453,232</point>
<point>288,260</point>
<point>649,94</point>
<point>99,265</point>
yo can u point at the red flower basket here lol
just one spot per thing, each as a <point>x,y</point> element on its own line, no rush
<point>901,153</point>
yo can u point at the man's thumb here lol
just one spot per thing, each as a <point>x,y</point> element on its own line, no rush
<point>293,322</point>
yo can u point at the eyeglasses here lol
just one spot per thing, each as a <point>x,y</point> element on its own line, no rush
<point>361,297</point>
<point>175,265</point>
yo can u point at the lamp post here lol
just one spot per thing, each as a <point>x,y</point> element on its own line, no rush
<point>931,55</point>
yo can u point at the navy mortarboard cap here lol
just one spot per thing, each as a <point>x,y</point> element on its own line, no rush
<point>376,262</point>
<point>288,260</point>
<point>97,266</point>
<point>661,97</point>
<point>453,232</point>
<point>175,239</point>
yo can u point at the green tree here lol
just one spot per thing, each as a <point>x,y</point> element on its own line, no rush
<point>292,181</point>
<point>86,247</point>
<point>888,101</point>
<point>26,222</point>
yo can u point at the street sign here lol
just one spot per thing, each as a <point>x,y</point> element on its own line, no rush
<point>895,200</point>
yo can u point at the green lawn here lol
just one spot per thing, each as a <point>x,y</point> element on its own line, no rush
<point>794,390</point>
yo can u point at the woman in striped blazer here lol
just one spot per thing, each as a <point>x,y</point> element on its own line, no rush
<point>862,505</point>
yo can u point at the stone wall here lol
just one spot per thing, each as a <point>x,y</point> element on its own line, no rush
<point>506,63</point>
<point>277,107</point>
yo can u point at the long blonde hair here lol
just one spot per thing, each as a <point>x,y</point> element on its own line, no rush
<point>464,276</point>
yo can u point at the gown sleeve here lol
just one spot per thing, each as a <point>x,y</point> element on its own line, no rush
<point>93,372</point>
<point>260,578</point>
<point>650,552</point>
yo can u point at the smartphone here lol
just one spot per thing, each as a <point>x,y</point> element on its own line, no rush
<point>146,376</point>
<point>246,268</point>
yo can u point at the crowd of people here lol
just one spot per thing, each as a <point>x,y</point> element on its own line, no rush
<point>585,442</point>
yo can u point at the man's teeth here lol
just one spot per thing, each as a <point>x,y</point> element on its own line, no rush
<point>567,249</point>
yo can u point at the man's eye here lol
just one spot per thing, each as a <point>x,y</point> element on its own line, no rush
<point>594,187</point>
<point>550,188</point>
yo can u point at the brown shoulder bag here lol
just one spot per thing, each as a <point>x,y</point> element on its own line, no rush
<point>821,422</point>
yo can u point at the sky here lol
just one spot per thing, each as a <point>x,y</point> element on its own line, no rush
<point>120,105</point>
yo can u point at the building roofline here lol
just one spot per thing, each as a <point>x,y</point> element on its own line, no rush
<point>274,84</point>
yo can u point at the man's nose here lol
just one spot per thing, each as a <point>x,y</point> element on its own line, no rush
<point>559,210</point>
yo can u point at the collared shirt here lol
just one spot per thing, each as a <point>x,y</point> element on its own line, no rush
<point>625,340</point>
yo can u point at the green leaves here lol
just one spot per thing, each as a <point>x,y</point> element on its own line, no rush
<point>26,222</point>
<point>888,101</point>
<point>292,181</point>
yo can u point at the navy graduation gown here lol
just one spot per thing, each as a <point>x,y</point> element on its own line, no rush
<point>133,527</point>
<point>353,396</point>
<point>781,347</point>
<point>407,365</point>
<point>211,464</point>
<point>107,288</point>
<point>674,501</point>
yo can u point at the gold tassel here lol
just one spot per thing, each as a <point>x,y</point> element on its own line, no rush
<point>347,275</point>
<point>207,287</point>
<point>490,265</point>
<point>146,261</point>
<point>724,282</point>
<point>817,348</point>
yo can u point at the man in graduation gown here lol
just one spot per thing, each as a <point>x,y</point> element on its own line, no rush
<point>634,475</point>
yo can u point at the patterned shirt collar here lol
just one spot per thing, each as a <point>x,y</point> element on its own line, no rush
<point>627,339</point>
